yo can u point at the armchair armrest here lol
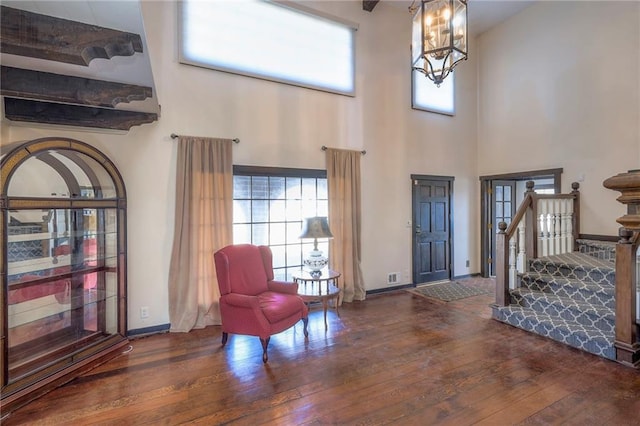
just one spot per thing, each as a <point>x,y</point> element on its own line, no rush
<point>283,287</point>
<point>241,300</point>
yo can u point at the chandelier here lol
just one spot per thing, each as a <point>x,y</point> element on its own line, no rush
<point>439,37</point>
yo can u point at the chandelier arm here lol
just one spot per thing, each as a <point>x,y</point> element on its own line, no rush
<point>429,73</point>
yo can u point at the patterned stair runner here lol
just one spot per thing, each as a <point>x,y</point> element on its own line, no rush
<point>568,298</point>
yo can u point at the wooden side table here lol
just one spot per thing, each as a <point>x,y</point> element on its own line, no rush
<point>321,288</point>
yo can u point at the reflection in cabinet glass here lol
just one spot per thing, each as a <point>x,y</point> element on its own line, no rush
<point>63,265</point>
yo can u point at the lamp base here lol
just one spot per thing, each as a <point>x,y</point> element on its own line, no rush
<point>315,262</point>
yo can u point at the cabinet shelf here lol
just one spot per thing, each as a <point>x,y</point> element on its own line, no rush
<point>32,270</point>
<point>55,236</point>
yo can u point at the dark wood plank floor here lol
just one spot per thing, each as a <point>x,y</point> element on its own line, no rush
<point>394,358</point>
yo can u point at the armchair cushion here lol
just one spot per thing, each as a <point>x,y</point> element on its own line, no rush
<point>278,306</point>
<point>283,287</point>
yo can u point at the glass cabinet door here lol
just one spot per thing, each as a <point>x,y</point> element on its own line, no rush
<point>62,283</point>
<point>63,265</point>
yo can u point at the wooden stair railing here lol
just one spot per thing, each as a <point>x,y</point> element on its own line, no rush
<point>544,224</point>
<point>626,340</point>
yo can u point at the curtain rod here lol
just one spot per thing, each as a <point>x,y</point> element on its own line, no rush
<point>363,152</point>
<point>174,136</point>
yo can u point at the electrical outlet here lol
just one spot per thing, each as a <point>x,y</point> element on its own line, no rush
<point>393,277</point>
<point>467,263</point>
<point>144,312</point>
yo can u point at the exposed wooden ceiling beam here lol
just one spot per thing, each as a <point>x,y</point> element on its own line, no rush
<point>46,37</point>
<point>73,115</point>
<point>21,83</point>
<point>368,5</point>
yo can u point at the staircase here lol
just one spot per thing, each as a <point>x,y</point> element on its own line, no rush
<point>569,298</point>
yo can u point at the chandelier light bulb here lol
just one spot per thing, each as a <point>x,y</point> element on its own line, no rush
<point>447,13</point>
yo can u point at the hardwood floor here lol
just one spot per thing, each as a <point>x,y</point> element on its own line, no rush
<point>394,358</point>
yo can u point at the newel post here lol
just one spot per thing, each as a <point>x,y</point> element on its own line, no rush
<point>502,266</point>
<point>531,222</point>
<point>626,343</point>
<point>575,191</point>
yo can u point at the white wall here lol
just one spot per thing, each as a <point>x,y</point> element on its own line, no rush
<point>560,87</point>
<point>286,126</point>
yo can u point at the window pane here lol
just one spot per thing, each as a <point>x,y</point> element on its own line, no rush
<point>241,234</point>
<point>281,275</point>
<point>268,40</point>
<point>426,95</point>
<point>277,234</point>
<point>322,189</point>
<point>294,256</point>
<point>309,208</point>
<point>293,210</point>
<point>294,229</point>
<point>260,187</point>
<point>260,211</point>
<point>279,256</point>
<point>277,188</point>
<point>277,213</point>
<point>323,208</point>
<point>294,188</point>
<point>241,211</point>
<point>242,187</point>
<point>260,234</point>
<point>308,189</point>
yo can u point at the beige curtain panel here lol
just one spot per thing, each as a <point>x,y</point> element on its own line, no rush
<point>203,224</point>
<point>343,181</point>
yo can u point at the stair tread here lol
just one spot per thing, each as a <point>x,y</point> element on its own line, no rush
<point>576,265</point>
<point>567,302</point>
<point>577,260</point>
<point>558,322</point>
<point>604,287</point>
<point>605,245</point>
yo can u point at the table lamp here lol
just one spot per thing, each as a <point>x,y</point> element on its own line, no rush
<point>315,227</point>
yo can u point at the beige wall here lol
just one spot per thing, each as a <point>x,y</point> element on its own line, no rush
<point>535,94</point>
<point>560,87</point>
<point>285,126</point>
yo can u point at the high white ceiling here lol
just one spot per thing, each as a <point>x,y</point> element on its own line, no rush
<point>483,14</point>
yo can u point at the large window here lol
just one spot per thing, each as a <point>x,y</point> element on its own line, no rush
<point>269,205</point>
<point>270,41</point>
<point>429,97</point>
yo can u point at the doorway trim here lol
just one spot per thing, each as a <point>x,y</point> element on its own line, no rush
<point>450,180</point>
<point>485,204</point>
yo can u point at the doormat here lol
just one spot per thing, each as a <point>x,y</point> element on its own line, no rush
<point>448,291</point>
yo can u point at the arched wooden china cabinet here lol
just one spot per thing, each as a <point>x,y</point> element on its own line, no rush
<point>63,260</point>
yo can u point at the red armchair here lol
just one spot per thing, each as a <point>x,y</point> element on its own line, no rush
<point>251,301</point>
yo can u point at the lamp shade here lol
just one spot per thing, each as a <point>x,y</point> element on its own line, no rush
<point>316,227</point>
